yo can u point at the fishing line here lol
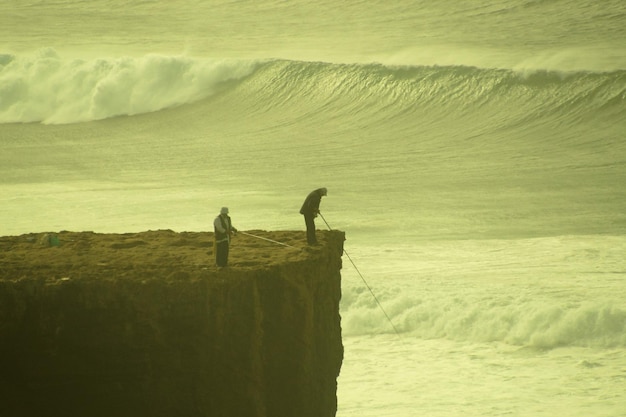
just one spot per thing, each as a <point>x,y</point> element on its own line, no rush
<point>366,284</point>
<point>269,240</point>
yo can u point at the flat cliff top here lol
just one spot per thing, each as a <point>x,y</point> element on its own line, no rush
<point>162,253</point>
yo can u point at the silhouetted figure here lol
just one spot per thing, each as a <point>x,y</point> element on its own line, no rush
<point>310,210</point>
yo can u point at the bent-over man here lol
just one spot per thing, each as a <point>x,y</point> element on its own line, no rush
<point>310,210</point>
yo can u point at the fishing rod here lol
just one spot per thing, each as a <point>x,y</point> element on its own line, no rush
<point>269,240</point>
<point>366,284</point>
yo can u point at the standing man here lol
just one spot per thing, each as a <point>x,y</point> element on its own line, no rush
<point>310,209</point>
<point>223,228</point>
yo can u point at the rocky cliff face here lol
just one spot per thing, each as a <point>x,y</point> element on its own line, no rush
<point>144,325</point>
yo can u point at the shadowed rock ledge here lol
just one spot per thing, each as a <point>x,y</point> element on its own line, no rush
<point>143,324</point>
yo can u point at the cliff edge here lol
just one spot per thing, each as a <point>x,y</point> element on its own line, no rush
<point>143,324</point>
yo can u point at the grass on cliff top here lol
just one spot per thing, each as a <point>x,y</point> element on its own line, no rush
<point>164,252</point>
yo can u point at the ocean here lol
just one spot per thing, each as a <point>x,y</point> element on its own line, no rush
<point>474,153</point>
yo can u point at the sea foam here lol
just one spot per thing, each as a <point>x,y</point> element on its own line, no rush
<point>46,87</point>
<point>515,321</point>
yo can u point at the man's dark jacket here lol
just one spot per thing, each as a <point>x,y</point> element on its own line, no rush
<point>312,203</point>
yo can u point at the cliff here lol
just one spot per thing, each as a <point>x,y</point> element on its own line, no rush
<point>145,325</point>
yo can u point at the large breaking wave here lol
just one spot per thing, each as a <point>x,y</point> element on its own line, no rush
<point>50,89</point>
